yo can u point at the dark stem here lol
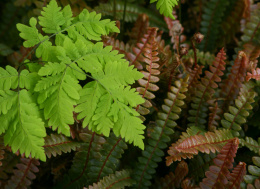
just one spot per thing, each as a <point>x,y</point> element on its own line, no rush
<point>195,53</point>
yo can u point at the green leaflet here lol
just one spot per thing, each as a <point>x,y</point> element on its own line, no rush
<point>165,6</point>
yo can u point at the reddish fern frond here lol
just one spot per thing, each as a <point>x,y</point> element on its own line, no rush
<point>236,177</point>
<point>120,46</point>
<point>187,183</point>
<point>231,86</point>
<point>144,46</point>
<point>24,173</point>
<point>214,116</point>
<point>254,75</point>
<point>217,174</point>
<point>174,180</point>
<point>56,144</point>
<point>204,91</point>
<point>210,142</point>
<point>147,83</point>
<point>140,28</point>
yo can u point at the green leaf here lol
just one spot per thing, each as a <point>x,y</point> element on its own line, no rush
<point>165,7</point>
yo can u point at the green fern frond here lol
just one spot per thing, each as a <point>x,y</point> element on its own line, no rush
<point>153,152</point>
<point>240,111</point>
<point>56,144</point>
<point>251,144</point>
<point>254,172</point>
<point>165,7</point>
<point>120,179</point>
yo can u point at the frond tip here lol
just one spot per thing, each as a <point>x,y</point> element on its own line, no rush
<point>165,6</point>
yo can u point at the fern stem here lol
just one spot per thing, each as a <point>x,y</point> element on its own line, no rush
<point>101,170</point>
<point>25,173</point>
<point>86,162</point>
<point>111,185</point>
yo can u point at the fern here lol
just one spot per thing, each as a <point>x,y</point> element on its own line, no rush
<point>251,144</point>
<point>114,181</point>
<point>24,173</point>
<point>189,145</point>
<point>165,6</point>
<point>217,174</point>
<point>160,136</point>
<point>205,90</point>
<point>254,75</point>
<point>237,114</point>
<point>56,144</point>
<point>236,177</point>
<point>254,171</point>
<point>74,57</point>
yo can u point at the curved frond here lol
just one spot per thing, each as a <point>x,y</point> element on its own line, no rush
<point>255,74</point>
<point>254,172</point>
<point>251,144</point>
<point>236,177</point>
<point>217,174</point>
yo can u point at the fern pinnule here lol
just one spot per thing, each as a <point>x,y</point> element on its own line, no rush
<point>250,143</point>
<point>160,136</point>
<point>205,89</point>
<point>255,74</point>
<point>253,172</point>
<point>24,173</point>
<point>214,116</point>
<point>120,179</point>
<point>58,144</point>
<point>173,180</point>
<point>236,177</point>
<point>217,174</point>
<point>240,111</point>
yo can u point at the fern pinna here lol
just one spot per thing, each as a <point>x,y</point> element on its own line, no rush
<point>105,103</point>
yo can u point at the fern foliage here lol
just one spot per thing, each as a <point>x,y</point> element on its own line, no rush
<point>254,75</point>
<point>120,179</point>
<point>238,113</point>
<point>217,174</point>
<point>160,136</point>
<point>252,179</point>
<point>165,6</point>
<point>72,58</point>
<point>58,144</point>
<point>205,90</point>
<point>236,177</point>
<point>251,144</point>
<point>188,146</point>
<point>24,173</point>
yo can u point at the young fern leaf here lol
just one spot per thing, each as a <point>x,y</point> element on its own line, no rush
<point>120,179</point>
<point>217,174</point>
<point>153,152</point>
<point>236,177</point>
<point>237,114</point>
<point>24,173</point>
<point>20,116</point>
<point>205,90</point>
<point>58,144</point>
<point>107,102</point>
<point>165,7</point>
<point>188,146</point>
